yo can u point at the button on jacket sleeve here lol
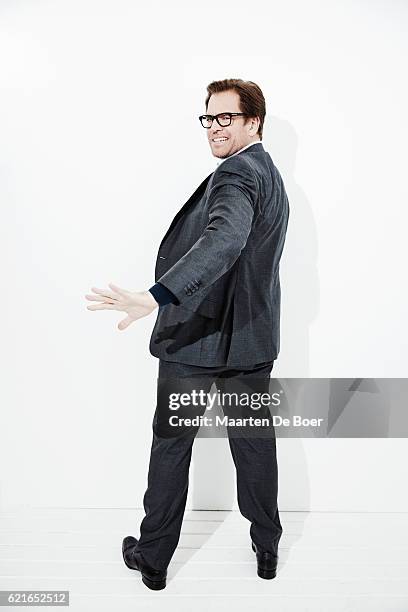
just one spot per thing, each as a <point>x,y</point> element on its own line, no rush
<point>231,203</point>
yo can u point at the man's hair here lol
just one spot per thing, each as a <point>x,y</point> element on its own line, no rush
<point>252,101</point>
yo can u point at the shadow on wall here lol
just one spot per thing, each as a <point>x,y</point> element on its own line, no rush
<point>298,269</point>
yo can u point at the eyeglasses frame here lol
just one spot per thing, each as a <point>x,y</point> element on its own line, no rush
<point>216,118</point>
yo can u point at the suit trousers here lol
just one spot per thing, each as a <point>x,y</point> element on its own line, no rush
<point>165,498</point>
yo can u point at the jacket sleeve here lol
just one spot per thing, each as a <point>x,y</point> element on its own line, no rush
<point>231,204</point>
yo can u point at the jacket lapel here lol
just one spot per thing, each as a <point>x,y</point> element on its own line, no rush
<point>196,195</point>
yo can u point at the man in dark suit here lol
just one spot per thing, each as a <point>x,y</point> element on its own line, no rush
<point>218,292</point>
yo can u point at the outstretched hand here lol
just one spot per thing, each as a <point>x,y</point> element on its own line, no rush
<point>136,304</point>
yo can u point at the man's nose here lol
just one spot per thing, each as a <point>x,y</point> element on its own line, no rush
<point>215,128</point>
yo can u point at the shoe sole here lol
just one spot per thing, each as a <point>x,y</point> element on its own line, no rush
<point>265,574</point>
<point>154,585</point>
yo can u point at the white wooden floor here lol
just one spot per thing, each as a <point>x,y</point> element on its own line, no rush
<point>328,562</point>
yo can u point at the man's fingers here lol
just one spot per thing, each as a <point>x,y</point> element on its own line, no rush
<point>119,290</point>
<point>99,298</point>
<point>103,292</point>
<point>102,307</point>
<point>125,323</point>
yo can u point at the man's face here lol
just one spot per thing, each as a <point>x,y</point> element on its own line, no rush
<point>238,134</point>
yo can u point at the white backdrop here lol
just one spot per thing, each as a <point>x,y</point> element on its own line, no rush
<point>101,145</point>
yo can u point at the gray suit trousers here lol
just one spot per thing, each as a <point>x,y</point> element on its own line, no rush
<point>166,495</point>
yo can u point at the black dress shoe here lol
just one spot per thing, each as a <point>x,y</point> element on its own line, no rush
<point>267,563</point>
<point>152,578</point>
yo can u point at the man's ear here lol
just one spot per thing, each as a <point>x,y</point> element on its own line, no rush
<point>254,125</point>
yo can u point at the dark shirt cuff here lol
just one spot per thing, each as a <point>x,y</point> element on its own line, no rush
<point>162,295</point>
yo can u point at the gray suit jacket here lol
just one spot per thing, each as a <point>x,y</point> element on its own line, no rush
<point>220,258</point>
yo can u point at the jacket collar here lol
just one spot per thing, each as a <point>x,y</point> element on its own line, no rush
<point>255,146</point>
<point>252,148</point>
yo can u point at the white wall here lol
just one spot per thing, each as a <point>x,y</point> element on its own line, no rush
<point>101,145</point>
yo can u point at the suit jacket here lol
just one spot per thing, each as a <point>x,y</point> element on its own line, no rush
<point>220,258</point>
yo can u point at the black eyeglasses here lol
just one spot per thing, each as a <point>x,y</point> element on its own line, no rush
<point>223,119</point>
